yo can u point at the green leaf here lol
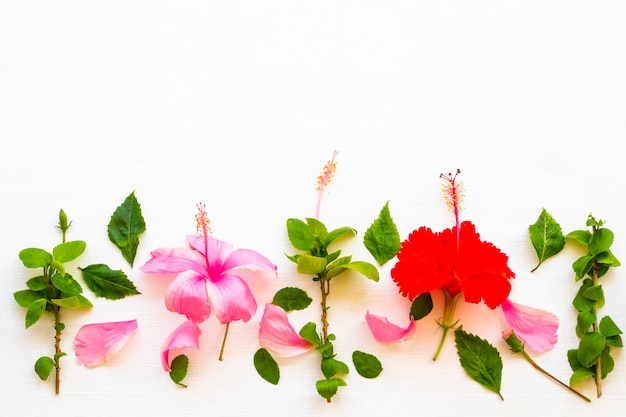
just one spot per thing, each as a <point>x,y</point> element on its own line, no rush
<point>299,234</point>
<point>581,236</point>
<point>364,268</point>
<point>326,350</point>
<point>366,365</point>
<point>607,363</point>
<point>266,366</point>
<point>179,368</point>
<point>338,234</point>
<point>35,258</point>
<point>327,388</point>
<point>37,283</point>
<point>615,341</point>
<point>308,264</point>
<point>584,321</point>
<point>595,293</point>
<point>125,227</point>
<point>608,259</point>
<point>291,298</point>
<point>84,302</point>
<point>318,229</point>
<point>44,367</point>
<point>26,297</point>
<point>382,239</point>
<point>73,303</point>
<point>600,241</point>
<point>331,367</point>
<point>68,251</point>
<point>546,237</point>
<point>608,328</point>
<point>582,266</point>
<point>580,302</point>
<point>107,283</point>
<point>590,348</point>
<point>66,284</point>
<point>58,266</point>
<point>422,306</point>
<point>309,333</point>
<point>480,360</point>
<point>579,375</point>
<point>35,311</point>
<point>572,359</point>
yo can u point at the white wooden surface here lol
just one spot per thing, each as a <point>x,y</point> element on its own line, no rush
<point>239,104</point>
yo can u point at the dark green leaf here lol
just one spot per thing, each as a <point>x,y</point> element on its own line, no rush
<point>338,234</point>
<point>266,366</point>
<point>608,328</point>
<point>308,264</point>
<point>107,283</point>
<point>600,241</point>
<point>382,239</point>
<point>582,266</point>
<point>43,367</point>
<point>590,348</point>
<point>68,251</point>
<point>26,297</point>
<point>421,306</point>
<point>572,359</point>
<point>309,333</point>
<point>615,341</point>
<point>35,310</point>
<point>66,284</point>
<point>179,368</point>
<point>580,302</point>
<point>291,298</point>
<point>480,360</point>
<point>299,234</point>
<point>546,237</point>
<point>327,388</point>
<point>607,363</point>
<point>331,367</point>
<point>35,258</point>
<point>326,350</point>
<point>125,227</point>
<point>367,365</point>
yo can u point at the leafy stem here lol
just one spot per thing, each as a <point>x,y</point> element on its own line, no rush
<point>325,291</point>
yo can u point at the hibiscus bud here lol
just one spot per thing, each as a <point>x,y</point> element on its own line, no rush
<point>513,341</point>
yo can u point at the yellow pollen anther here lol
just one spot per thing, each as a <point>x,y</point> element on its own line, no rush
<point>327,173</point>
<point>202,222</point>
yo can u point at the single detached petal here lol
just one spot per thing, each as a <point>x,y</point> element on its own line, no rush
<point>175,260</point>
<point>231,299</point>
<point>97,342</point>
<point>184,336</point>
<point>278,336</point>
<point>536,328</point>
<point>187,295</point>
<point>386,332</point>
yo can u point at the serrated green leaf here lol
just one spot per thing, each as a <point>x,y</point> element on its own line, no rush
<point>68,251</point>
<point>309,333</point>
<point>608,328</point>
<point>44,367</point>
<point>600,241</point>
<point>308,264</point>
<point>327,388</point>
<point>125,227</point>
<point>178,369</point>
<point>331,367</point>
<point>299,234</point>
<point>366,364</point>
<point>35,311</point>
<point>382,239</point>
<point>480,360</point>
<point>421,306</point>
<point>66,284</point>
<point>107,283</point>
<point>318,229</point>
<point>35,258</point>
<point>590,348</point>
<point>292,298</point>
<point>266,366</point>
<point>546,237</point>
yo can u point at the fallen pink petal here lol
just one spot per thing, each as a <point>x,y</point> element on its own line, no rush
<point>536,328</point>
<point>386,332</point>
<point>278,336</point>
<point>184,336</point>
<point>96,343</point>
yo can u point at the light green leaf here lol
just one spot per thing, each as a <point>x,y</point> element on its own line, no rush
<point>480,360</point>
<point>266,366</point>
<point>595,293</point>
<point>579,375</point>
<point>608,328</point>
<point>299,234</point>
<point>291,298</point>
<point>582,266</point>
<point>331,367</point>
<point>581,236</point>
<point>382,239</point>
<point>546,237</point>
<point>68,251</point>
<point>179,368</point>
<point>600,241</point>
<point>125,227</point>
<point>608,259</point>
<point>607,363</point>
<point>37,283</point>
<point>365,268</point>
<point>66,284</point>
<point>308,264</point>
<point>339,233</point>
<point>309,333</point>
<point>26,297</point>
<point>366,365</point>
<point>318,229</point>
<point>44,367</point>
<point>35,311</point>
<point>107,283</point>
<point>35,258</point>
<point>327,388</point>
<point>73,303</point>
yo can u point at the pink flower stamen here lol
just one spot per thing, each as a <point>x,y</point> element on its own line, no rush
<point>202,222</point>
<point>324,179</point>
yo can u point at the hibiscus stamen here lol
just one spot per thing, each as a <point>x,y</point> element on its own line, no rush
<point>202,222</point>
<point>454,193</point>
<point>324,179</point>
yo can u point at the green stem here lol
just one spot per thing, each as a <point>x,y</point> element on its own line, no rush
<point>57,350</point>
<point>448,315</point>
<point>221,357</point>
<point>325,290</point>
<point>598,375</point>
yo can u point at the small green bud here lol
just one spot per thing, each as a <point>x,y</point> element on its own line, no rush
<point>513,341</point>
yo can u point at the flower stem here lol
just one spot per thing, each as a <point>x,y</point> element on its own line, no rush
<point>57,350</point>
<point>325,290</point>
<point>448,315</point>
<point>221,357</point>
<point>598,375</point>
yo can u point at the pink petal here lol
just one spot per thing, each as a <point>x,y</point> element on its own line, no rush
<point>95,343</point>
<point>187,295</point>
<point>216,252</point>
<point>166,260</point>
<point>386,332</point>
<point>184,336</point>
<point>246,259</point>
<point>278,336</point>
<point>536,328</point>
<point>231,299</point>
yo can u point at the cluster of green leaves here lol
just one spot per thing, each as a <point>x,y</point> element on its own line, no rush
<point>592,358</point>
<point>55,288</point>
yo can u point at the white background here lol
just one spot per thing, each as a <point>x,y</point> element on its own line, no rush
<point>239,104</point>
